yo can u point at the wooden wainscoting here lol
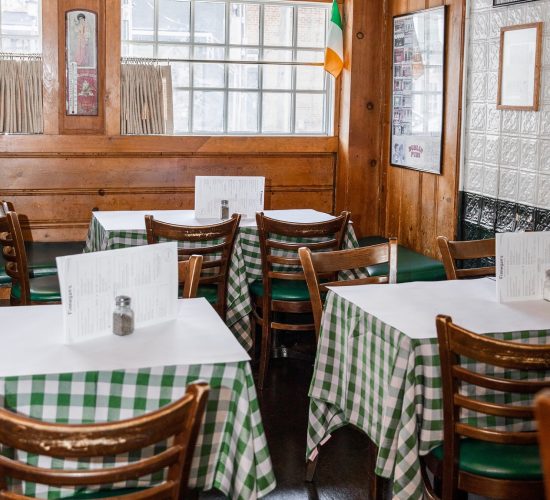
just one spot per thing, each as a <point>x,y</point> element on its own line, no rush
<point>57,181</point>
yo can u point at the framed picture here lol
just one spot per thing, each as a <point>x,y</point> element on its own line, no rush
<point>519,67</point>
<point>81,63</point>
<point>417,90</point>
<point>501,3</point>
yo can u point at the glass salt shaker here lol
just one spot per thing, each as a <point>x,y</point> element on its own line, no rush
<point>225,210</point>
<point>546,289</point>
<point>123,316</point>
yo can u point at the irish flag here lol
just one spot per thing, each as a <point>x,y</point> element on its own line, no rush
<point>334,53</point>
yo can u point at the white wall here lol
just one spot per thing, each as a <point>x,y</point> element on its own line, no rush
<point>506,154</point>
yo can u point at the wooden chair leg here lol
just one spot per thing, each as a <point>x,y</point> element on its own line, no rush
<point>265,352</point>
<point>311,466</point>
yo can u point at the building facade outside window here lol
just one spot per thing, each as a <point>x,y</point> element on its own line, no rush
<point>241,97</point>
<point>20,26</point>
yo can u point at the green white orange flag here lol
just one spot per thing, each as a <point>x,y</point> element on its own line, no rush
<point>334,53</point>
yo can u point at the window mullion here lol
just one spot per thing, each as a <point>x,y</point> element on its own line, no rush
<point>226,71</point>
<point>294,71</point>
<point>261,70</point>
<point>191,66</point>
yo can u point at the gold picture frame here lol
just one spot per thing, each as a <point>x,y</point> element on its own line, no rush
<point>519,67</point>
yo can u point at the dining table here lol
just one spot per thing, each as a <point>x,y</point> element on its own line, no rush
<point>111,378</point>
<point>377,365</point>
<point>110,230</point>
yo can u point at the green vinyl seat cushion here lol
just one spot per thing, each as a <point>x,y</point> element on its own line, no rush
<point>282,290</point>
<point>497,461</point>
<point>43,289</point>
<point>411,266</point>
<point>209,292</point>
<point>90,495</point>
<point>41,257</point>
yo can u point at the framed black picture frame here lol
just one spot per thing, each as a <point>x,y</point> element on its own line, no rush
<point>503,3</point>
<point>417,103</point>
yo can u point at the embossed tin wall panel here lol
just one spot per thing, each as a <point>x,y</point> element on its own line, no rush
<point>506,166</point>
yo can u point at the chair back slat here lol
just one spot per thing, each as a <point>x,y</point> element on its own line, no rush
<point>216,246</point>
<point>179,420</point>
<point>15,255</point>
<point>453,251</point>
<point>317,264</point>
<point>312,245</point>
<point>486,376</point>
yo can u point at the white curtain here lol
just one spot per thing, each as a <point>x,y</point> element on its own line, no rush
<point>21,96</point>
<point>145,99</point>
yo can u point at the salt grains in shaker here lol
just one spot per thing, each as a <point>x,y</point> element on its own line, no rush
<point>123,316</point>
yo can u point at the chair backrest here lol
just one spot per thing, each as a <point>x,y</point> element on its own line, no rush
<point>462,387</point>
<point>180,420</point>
<point>215,243</point>
<point>280,242</point>
<point>189,273</point>
<point>542,412</point>
<point>6,206</point>
<point>321,270</point>
<point>15,255</point>
<point>451,251</point>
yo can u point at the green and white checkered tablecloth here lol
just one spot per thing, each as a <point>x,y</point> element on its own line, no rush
<point>245,267</point>
<point>375,377</point>
<point>231,453</point>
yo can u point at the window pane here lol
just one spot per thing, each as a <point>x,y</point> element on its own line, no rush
<point>276,76</point>
<point>138,50</point>
<point>311,27</point>
<point>174,20</point>
<point>26,45</point>
<point>243,54</point>
<point>277,25</point>
<point>140,16</point>
<point>180,74</point>
<point>181,111</point>
<point>206,74</point>
<point>242,112</point>
<point>20,17</point>
<point>310,77</point>
<point>309,113</point>
<point>276,112</point>
<point>244,24</point>
<point>209,22</point>
<point>207,111</point>
<point>243,76</point>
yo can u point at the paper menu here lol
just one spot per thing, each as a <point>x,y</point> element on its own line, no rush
<point>522,260</point>
<point>244,194</point>
<point>90,282</point>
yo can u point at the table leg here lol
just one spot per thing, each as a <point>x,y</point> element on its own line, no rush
<point>378,486</point>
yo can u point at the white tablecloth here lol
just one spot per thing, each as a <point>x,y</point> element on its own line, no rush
<point>412,307</point>
<point>32,343</point>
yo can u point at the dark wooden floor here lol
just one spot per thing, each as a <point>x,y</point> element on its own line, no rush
<point>342,468</point>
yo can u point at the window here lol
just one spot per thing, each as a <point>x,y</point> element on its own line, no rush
<point>242,97</point>
<point>20,26</point>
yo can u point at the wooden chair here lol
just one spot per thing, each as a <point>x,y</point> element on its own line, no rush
<point>451,251</point>
<point>24,290</point>
<point>216,255</point>
<point>283,288</point>
<point>321,270</point>
<point>487,461</point>
<point>542,412</point>
<point>189,273</point>
<point>180,420</point>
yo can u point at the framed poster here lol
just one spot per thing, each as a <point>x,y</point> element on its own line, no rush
<point>519,67</point>
<point>417,90</point>
<point>500,3</point>
<point>81,63</point>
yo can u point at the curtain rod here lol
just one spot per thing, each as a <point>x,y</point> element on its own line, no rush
<point>13,55</point>
<point>149,60</point>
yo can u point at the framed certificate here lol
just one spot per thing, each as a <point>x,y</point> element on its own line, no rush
<point>519,67</point>
<point>417,90</point>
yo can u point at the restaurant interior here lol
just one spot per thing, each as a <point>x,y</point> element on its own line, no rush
<point>293,249</point>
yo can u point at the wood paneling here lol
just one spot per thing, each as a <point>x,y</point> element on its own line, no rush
<point>58,191</point>
<point>421,206</point>
<point>360,114</point>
